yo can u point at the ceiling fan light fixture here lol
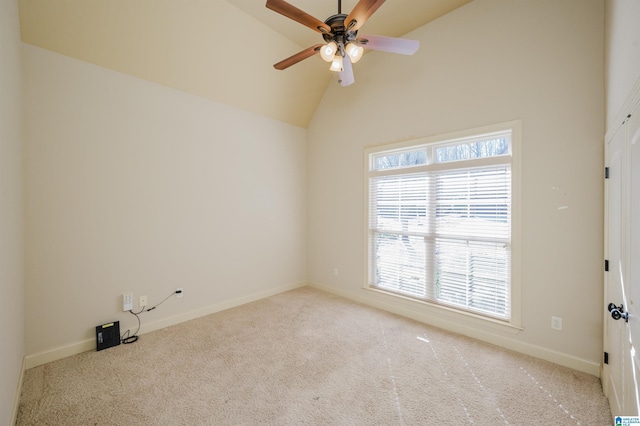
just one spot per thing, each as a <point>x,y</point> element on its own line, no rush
<point>336,64</point>
<point>328,51</point>
<point>354,51</point>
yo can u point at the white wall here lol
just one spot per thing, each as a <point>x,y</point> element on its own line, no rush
<point>488,62</point>
<point>622,54</point>
<point>135,187</point>
<point>11,247</point>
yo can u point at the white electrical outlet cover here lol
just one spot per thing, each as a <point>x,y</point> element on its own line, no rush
<point>127,302</point>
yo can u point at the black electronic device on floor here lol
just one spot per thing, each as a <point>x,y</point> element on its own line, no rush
<point>107,335</point>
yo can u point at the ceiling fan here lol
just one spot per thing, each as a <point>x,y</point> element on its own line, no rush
<point>343,47</point>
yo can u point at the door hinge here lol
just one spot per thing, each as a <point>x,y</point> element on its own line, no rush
<point>606,265</point>
<point>606,357</point>
<point>606,173</point>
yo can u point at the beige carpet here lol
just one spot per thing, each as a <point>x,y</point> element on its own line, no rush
<point>307,357</point>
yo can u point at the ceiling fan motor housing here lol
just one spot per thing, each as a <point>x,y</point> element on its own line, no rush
<point>339,33</point>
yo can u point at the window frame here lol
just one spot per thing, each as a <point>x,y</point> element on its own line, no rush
<point>515,128</point>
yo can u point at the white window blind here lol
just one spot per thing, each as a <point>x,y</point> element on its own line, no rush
<point>440,223</point>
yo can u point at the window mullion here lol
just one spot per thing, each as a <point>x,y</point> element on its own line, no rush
<point>430,260</point>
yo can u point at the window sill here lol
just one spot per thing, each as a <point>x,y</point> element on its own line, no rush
<point>440,315</point>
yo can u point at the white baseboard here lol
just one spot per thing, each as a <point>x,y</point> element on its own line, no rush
<point>486,335</point>
<point>54,354</point>
<point>16,402</point>
<point>60,352</point>
<point>188,316</point>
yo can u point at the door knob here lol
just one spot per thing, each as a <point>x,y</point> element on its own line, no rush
<point>618,312</point>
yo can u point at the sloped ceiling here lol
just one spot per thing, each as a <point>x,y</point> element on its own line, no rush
<point>218,49</point>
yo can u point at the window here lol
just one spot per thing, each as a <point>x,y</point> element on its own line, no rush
<point>440,220</point>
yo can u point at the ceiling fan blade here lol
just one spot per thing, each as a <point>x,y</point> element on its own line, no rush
<point>345,77</point>
<point>292,12</point>
<point>389,44</point>
<point>363,10</point>
<point>292,60</point>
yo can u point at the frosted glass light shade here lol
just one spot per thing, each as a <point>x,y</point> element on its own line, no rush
<point>336,64</point>
<point>328,51</point>
<point>355,52</point>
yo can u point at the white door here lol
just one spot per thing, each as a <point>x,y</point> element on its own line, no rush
<point>613,373</point>
<point>622,284</point>
<point>632,285</point>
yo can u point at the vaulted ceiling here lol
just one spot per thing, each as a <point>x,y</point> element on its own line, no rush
<point>218,49</point>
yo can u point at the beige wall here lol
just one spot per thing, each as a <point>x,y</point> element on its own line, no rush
<point>488,62</point>
<point>11,248</point>
<point>135,187</point>
<point>208,48</point>
<point>622,55</point>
